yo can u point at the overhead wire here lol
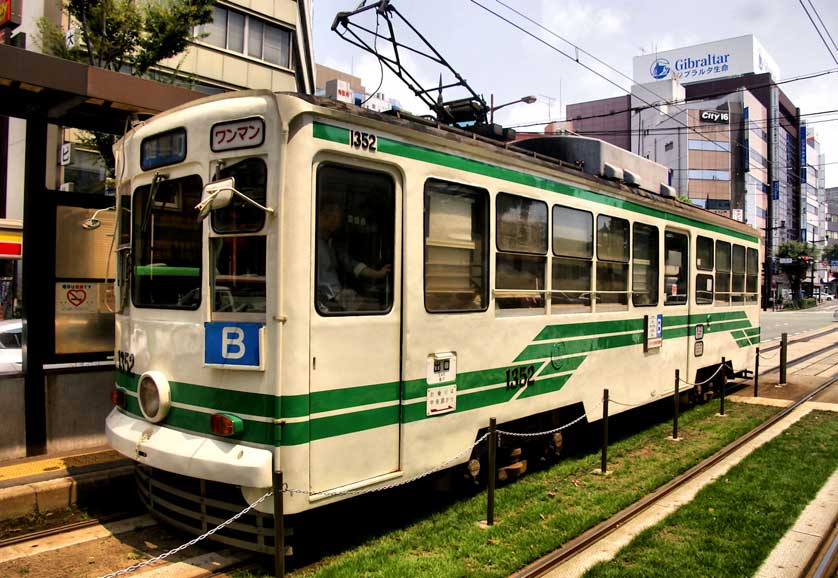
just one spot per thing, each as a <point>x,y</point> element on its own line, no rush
<point>590,69</point>
<point>828,49</point>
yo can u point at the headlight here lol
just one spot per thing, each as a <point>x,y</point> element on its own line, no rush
<point>154,395</point>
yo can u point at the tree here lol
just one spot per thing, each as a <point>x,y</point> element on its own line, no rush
<point>803,256</point>
<point>125,36</point>
<point>831,253</point>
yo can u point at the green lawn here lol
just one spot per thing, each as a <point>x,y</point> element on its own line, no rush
<point>541,511</point>
<point>733,524</point>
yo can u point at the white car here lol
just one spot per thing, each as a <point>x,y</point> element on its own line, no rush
<point>11,338</point>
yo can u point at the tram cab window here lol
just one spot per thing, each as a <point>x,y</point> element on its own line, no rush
<point>456,267</point>
<point>722,273</point>
<point>354,241</point>
<point>704,258</point>
<point>167,244</point>
<point>752,280</point>
<point>240,216</point>
<point>238,259</point>
<point>612,282</point>
<point>522,252</point>
<point>676,250</point>
<point>738,278</point>
<point>573,250</point>
<point>644,266</point>
<point>238,273</point>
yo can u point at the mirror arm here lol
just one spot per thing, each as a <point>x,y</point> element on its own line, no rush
<point>268,210</point>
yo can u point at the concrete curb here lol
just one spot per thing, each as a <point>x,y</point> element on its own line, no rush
<point>60,493</point>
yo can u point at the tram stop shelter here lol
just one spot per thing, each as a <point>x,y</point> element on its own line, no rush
<point>61,398</point>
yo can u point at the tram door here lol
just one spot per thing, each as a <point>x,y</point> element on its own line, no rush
<point>355,366</point>
<point>676,287</point>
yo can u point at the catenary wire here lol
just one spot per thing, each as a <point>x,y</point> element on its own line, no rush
<point>828,49</point>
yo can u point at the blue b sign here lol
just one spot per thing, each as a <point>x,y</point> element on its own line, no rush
<point>233,345</point>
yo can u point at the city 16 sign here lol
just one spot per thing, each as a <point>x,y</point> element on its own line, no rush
<point>715,116</point>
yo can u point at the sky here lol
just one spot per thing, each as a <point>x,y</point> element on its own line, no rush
<point>498,59</point>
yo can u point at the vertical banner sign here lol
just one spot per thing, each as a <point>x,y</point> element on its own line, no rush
<point>802,142</point>
<point>746,148</point>
<point>653,332</point>
<point>775,190</point>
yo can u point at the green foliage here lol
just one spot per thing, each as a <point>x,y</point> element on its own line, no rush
<point>119,34</point>
<point>685,199</point>
<point>831,253</point>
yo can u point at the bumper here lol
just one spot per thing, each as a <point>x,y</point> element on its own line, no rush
<point>188,454</point>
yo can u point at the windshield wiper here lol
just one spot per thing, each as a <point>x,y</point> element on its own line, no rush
<point>155,185</point>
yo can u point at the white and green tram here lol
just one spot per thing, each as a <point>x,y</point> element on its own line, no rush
<point>357,294</point>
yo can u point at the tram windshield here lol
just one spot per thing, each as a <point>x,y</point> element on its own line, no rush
<point>167,244</point>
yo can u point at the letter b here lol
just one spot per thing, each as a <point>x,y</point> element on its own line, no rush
<point>232,343</point>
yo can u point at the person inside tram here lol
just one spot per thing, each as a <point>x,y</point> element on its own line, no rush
<point>335,266</point>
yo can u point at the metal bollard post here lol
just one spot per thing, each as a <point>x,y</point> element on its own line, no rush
<point>604,431</point>
<point>784,347</point>
<point>279,527</point>
<point>677,404</point>
<point>724,383</point>
<point>493,472</point>
<point>756,375</point>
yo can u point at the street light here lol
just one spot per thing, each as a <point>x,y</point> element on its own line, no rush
<point>492,108</point>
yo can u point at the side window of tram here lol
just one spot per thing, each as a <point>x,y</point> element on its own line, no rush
<point>355,241</point>
<point>239,261</point>
<point>738,278</point>
<point>456,266</point>
<point>521,252</point>
<point>722,273</point>
<point>676,249</point>
<point>644,266</point>
<point>612,268</point>
<point>166,244</point>
<point>752,280</point>
<point>573,250</point>
<point>704,256</point>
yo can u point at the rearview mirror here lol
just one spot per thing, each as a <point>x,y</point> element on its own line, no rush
<point>217,195</point>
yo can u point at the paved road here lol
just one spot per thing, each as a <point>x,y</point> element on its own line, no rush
<point>773,323</point>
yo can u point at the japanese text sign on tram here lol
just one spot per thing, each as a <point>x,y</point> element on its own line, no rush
<point>239,134</point>
<point>233,345</point>
<point>653,332</point>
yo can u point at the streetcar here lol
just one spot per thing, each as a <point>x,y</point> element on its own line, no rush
<point>348,297</point>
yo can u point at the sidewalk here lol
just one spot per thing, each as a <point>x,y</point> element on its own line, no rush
<point>46,483</point>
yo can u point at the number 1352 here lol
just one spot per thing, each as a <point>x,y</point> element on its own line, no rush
<point>363,140</point>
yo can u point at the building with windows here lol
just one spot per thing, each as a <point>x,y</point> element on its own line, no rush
<point>734,142</point>
<point>345,87</point>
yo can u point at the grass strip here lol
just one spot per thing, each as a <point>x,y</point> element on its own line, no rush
<point>732,525</point>
<point>543,510</point>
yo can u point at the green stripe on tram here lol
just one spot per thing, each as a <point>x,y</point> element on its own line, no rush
<point>396,148</point>
<point>579,338</point>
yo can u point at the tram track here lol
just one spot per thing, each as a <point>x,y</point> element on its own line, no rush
<point>64,529</point>
<point>601,531</point>
<point>801,339</point>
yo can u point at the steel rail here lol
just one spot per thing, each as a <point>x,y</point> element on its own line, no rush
<point>46,533</point>
<point>600,531</point>
<point>824,562</point>
<point>802,358</point>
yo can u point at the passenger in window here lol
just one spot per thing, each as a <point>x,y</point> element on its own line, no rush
<point>335,265</point>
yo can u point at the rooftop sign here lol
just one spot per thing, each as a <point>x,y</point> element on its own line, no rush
<point>709,61</point>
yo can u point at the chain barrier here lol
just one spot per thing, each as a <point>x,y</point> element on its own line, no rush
<point>776,353</point>
<point>709,379</point>
<point>357,492</point>
<point>543,433</point>
<point>190,543</point>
